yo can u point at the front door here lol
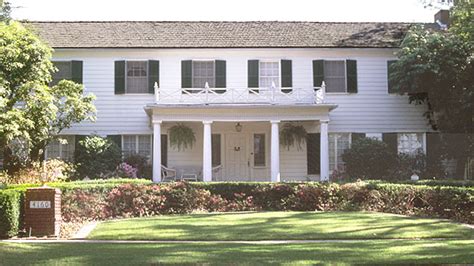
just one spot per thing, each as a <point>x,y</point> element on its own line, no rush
<point>237,161</point>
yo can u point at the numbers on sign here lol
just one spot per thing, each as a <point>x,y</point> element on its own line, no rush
<point>35,204</point>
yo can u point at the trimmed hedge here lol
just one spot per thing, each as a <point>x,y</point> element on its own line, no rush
<point>10,201</point>
<point>83,201</point>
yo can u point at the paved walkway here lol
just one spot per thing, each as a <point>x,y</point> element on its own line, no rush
<point>253,242</point>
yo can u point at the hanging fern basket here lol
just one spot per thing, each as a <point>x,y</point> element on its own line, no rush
<point>293,135</point>
<point>181,137</point>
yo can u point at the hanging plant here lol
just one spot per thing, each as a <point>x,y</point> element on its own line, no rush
<point>181,137</point>
<point>291,135</point>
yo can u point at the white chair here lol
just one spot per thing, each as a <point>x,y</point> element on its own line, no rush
<point>215,171</point>
<point>168,174</point>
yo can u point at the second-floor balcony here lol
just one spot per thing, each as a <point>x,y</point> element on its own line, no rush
<point>271,95</point>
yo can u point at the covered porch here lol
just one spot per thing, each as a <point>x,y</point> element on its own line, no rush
<point>241,142</point>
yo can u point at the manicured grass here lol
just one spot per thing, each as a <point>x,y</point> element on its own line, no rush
<point>279,226</point>
<point>370,252</point>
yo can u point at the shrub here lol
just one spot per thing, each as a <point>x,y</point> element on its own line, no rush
<point>369,158</point>
<point>48,171</point>
<point>96,157</point>
<point>126,171</point>
<point>141,164</point>
<point>9,213</point>
<point>105,199</point>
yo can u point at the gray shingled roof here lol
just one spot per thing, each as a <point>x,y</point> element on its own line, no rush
<point>150,34</point>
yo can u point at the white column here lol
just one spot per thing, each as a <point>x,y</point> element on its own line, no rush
<point>275,152</point>
<point>324,151</point>
<point>156,151</point>
<point>207,152</point>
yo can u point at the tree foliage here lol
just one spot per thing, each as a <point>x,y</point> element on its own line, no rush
<point>96,157</point>
<point>436,67</point>
<point>5,11</point>
<point>30,109</point>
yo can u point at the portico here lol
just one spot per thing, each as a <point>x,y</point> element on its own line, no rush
<point>240,161</point>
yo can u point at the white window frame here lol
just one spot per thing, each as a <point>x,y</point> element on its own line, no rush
<point>126,76</point>
<point>345,77</point>
<point>336,154</point>
<point>423,141</point>
<point>213,70</point>
<point>137,144</point>
<point>279,71</point>
<point>60,148</point>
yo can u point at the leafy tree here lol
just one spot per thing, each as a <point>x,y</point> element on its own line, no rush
<point>437,68</point>
<point>5,11</point>
<point>31,111</point>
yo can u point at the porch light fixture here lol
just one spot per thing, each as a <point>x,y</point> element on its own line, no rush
<point>238,127</point>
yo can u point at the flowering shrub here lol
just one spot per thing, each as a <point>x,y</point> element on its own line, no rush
<point>141,163</point>
<point>126,171</point>
<point>135,200</point>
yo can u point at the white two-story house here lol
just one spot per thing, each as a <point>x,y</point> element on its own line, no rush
<point>236,84</point>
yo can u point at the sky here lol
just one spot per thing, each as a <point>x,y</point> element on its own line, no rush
<point>230,10</point>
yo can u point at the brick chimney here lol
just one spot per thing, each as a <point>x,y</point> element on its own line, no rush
<point>442,18</point>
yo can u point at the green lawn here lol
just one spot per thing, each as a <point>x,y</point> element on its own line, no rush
<point>280,226</point>
<point>370,252</point>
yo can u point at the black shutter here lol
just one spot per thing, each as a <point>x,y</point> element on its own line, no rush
<point>286,75</point>
<point>252,74</point>
<point>164,149</point>
<point>221,80</point>
<point>351,70</point>
<point>153,75</point>
<point>313,153</point>
<point>216,149</point>
<point>76,71</point>
<point>119,77</point>
<point>391,140</point>
<point>318,72</point>
<point>357,136</point>
<point>186,74</point>
<point>389,72</point>
<point>433,148</point>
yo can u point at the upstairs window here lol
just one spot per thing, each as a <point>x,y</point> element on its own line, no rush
<point>203,71</point>
<point>64,72</point>
<point>68,70</point>
<point>339,75</point>
<point>269,74</point>
<point>195,74</point>
<point>335,76</point>
<point>137,77</point>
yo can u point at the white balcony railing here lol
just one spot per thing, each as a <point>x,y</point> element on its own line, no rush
<point>272,95</point>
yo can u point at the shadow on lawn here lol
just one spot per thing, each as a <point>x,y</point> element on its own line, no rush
<point>283,226</point>
<point>360,252</point>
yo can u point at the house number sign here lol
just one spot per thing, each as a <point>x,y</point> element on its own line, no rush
<point>35,204</point>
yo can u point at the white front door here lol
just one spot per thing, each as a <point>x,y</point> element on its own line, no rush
<point>236,158</point>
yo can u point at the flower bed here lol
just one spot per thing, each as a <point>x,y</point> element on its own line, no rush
<point>84,201</point>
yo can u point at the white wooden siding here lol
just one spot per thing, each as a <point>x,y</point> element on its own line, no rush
<point>371,110</point>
